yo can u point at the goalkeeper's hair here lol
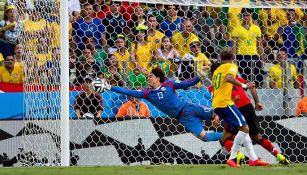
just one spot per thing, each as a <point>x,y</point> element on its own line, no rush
<point>158,72</point>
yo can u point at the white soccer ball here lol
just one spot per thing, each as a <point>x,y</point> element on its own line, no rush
<point>98,85</point>
<point>88,115</point>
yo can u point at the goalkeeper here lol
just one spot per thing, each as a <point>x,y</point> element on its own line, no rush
<point>245,106</point>
<point>162,94</point>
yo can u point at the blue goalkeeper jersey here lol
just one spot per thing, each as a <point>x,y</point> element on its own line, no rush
<point>164,98</point>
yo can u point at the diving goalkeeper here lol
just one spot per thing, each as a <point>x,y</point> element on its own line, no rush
<point>162,94</point>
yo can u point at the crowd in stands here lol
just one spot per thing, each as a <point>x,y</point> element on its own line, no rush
<point>123,41</point>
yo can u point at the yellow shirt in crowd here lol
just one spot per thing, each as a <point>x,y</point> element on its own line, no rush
<point>143,54</point>
<point>126,57</point>
<point>275,74</point>
<point>182,44</point>
<point>247,39</point>
<point>16,76</point>
<point>156,40</point>
<point>34,26</point>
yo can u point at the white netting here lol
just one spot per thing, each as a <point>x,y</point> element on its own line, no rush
<point>122,41</point>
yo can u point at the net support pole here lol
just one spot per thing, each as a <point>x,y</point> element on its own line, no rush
<point>64,90</point>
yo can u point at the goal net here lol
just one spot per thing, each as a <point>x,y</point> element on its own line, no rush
<point>122,41</point>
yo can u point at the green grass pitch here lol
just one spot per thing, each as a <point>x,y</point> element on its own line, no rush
<point>294,169</point>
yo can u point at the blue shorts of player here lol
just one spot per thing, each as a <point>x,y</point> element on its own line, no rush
<point>231,115</point>
<point>192,116</point>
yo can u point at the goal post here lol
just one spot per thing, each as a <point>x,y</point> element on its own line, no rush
<point>64,32</point>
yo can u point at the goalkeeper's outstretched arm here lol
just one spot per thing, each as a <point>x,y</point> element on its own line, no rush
<point>134,93</point>
<point>187,83</point>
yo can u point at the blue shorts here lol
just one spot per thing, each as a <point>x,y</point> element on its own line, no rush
<point>192,116</point>
<point>231,115</point>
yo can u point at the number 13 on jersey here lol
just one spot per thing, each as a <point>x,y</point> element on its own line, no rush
<point>160,95</point>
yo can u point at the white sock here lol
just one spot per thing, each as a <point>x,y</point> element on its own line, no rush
<point>249,147</point>
<point>237,142</point>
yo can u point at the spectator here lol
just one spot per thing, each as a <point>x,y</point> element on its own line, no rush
<point>202,62</point>
<point>18,54</point>
<point>122,54</point>
<point>137,78</point>
<point>74,8</point>
<point>271,20</point>
<point>101,8</point>
<point>1,59</point>
<point>9,31</point>
<point>51,68</point>
<point>172,23</point>
<point>2,5</point>
<point>88,101</point>
<point>231,18</point>
<point>31,68</point>
<point>141,49</point>
<point>23,7</point>
<point>206,20</point>
<point>43,52</point>
<point>88,26</point>
<point>114,23</point>
<point>301,108</point>
<point>165,57</point>
<point>127,9</point>
<point>133,108</point>
<point>158,11</point>
<point>11,73</point>
<point>34,28</point>
<point>99,55</point>
<point>73,70</point>
<point>294,39</point>
<point>138,18</point>
<point>279,73</point>
<point>86,67</point>
<point>9,28</point>
<point>182,39</point>
<point>114,73</point>
<point>246,40</point>
<point>154,36</point>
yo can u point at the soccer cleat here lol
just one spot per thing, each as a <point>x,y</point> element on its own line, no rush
<point>233,163</point>
<point>258,162</point>
<point>282,159</point>
<point>240,158</point>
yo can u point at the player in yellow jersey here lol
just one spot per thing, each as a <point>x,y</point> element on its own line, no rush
<point>223,81</point>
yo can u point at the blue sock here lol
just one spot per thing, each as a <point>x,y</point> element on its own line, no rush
<point>212,136</point>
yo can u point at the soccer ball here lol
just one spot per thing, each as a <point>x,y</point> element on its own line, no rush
<point>98,85</point>
<point>88,115</point>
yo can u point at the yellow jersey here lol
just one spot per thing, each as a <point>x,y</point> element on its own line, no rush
<point>247,39</point>
<point>275,74</point>
<point>43,57</point>
<point>143,54</point>
<point>278,18</point>
<point>34,26</point>
<point>182,44</point>
<point>124,57</point>
<point>223,89</point>
<point>156,40</point>
<point>16,76</point>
